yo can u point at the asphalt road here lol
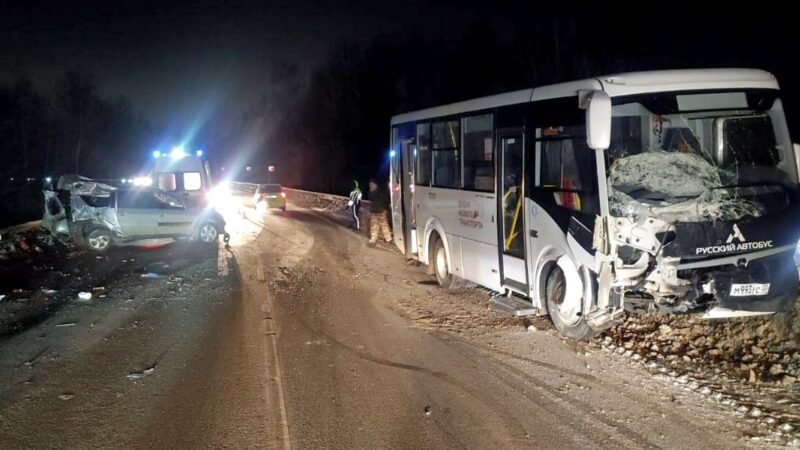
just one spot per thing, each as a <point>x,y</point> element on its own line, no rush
<point>303,337</point>
<point>366,363</point>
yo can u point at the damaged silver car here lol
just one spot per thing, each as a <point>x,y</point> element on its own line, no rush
<point>97,215</point>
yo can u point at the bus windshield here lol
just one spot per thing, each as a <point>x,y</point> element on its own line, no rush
<point>699,156</point>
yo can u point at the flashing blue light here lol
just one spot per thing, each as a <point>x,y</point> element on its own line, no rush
<point>392,154</point>
<point>156,154</point>
<point>177,153</point>
<point>199,153</point>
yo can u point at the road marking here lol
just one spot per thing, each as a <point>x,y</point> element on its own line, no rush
<point>271,333</point>
<point>261,276</point>
<point>222,260</point>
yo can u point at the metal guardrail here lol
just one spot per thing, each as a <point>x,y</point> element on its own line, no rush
<point>333,204</point>
<point>320,200</point>
<point>301,197</point>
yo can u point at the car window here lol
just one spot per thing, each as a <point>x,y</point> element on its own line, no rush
<point>97,202</point>
<point>164,201</point>
<point>192,181</point>
<point>166,182</point>
<point>54,206</point>
<point>271,188</point>
<point>136,198</point>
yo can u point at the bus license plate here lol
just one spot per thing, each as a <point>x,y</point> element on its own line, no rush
<point>743,290</point>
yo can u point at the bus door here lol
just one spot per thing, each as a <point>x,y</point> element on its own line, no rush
<point>408,151</point>
<point>396,190</point>
<point>403,208</point>
<point>511,207</point>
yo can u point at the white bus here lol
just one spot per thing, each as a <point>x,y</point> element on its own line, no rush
<point>672,191</point>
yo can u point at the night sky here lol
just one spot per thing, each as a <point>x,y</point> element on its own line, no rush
<point>197,68</point>
<point>176,60</point>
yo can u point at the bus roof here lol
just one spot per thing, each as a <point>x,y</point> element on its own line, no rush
<point>615,85</point>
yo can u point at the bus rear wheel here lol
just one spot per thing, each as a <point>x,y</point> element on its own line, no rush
<point>565,311</point>
<point>440,267</point>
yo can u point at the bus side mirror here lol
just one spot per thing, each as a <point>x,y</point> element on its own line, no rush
<point>598,119</point>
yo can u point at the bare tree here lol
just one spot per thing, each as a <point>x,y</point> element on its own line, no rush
<point>76,95</point>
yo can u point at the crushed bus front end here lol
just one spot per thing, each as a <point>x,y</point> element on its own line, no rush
<point>703,206</point>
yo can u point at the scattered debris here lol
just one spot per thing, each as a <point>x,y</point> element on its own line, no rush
<point>152,275</point>
<point>49,291</point>
<point>136,375</point>
<point>66,324</point>
<point>532,327</point>
<point>66,396</point>
<point>428,411</point>
<point>32,362</point>
<point>2,297</point>
<point>30,242</point>
<point>84,296</point>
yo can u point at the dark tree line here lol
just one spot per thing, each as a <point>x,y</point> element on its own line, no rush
<point>334,126</point>
<point>68,129</point>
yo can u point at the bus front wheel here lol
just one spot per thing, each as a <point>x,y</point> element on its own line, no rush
<point>565,310</point>
<point>440,266</point>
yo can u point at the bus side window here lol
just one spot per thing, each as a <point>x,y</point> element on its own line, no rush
<point>446,154</point>
<point>567,170</point>
<point>423,157</point>
<point>478,153</point>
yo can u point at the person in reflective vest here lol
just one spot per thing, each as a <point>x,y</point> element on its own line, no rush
<point>354,204</point>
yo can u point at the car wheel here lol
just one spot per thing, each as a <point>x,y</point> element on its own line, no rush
<point>99,240</point>
<point>440,267</point>
<point>208,233</point>
<point>566,312</point>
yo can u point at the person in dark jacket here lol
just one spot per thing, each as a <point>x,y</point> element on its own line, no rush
<point>378,210</point>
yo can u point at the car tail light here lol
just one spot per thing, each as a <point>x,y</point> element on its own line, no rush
<point>283,194</point>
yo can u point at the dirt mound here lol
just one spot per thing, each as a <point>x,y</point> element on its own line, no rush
<point>758,349</point>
